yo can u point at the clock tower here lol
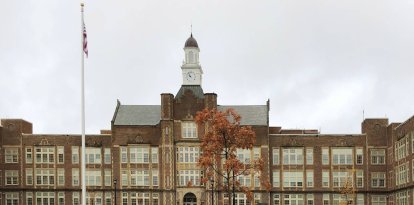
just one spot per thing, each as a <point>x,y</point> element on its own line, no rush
<point>191,68</point>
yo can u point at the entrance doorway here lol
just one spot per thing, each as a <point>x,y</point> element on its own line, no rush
<point>190,199</point>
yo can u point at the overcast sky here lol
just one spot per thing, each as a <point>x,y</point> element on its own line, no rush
<point>320,62</point>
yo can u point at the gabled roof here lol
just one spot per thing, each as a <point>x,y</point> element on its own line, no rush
<point>250,114</point>
<point>137,115</point>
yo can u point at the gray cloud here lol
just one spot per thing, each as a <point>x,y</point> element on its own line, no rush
<point>319,62</point>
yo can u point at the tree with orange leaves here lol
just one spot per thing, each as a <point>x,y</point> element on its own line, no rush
<point>222,138</point>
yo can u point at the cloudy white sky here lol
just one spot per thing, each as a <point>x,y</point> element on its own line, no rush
<point>320,62</point>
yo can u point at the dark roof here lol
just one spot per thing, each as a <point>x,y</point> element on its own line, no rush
<point>138,115</point>
<point>191,42</point>
<point>250,114</point>
<point>196,89</point>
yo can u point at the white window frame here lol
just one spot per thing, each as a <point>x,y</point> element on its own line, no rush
<point>188,154</point>
<point>75,154</point>
<point>139,154</point>
<point>309,178</point>
<point>293,179</point>
<point>276,155</point>
<point>108,177</point>
<point>293,199</point>
<point>185,176</point>
<point>325,179</point>
<point>188,130</point>
<point>309,156</point>
<point>107,155</point>
<point>45,155</point>
<point>11,177</point>
<point>61,177</point>
<point>12,198</point>
<point>342,156</point>
<point>60,154</point>
<point>359,178</point>
<point>154,155</point>
<point>11,155</point>
<point>45,177</point>
<point>378,156</point>
<point>377,178</point>
<point>276,178</point>
<point>359,151</point>
<point>45,198</point>
<point>378,200</point>
<point>75,177</point>
<point>29,155</point>
<point>139,177</point>
<point>155,179</point>
<point>93,155</point>
<point>93,177</point>
<point>325,156</point>
<point>276,199</point>
<point>29,176</point>
<point>293,156</point>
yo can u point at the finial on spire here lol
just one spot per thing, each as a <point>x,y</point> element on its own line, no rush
<point>191,29</point>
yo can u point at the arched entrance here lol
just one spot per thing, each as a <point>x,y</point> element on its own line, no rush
<point>190,199</point>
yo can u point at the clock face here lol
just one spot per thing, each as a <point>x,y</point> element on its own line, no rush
<point>190,76</point>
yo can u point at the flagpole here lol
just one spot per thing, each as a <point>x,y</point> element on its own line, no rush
<point>83,163</point>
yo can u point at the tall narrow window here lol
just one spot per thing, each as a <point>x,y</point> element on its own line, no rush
<point>108,178</point>
<point>360,178</point>
<point>309,156</point>
<point>75,198</point>
<point>61,198</point>
<point>60,151</point>
<point>124,155</point>
<point>189,129</point>
<point>309,199</point>
<point>276,156</point>
<point>325,178</point>
<point>29,155</point>
<point>61,177</point>
<point>29,176</point>
<point>154,177</point>
<point>155,199</point>
<point>325,198</point>
<point>108,200</point>
<point>359,155</point>
<point>309,178</point>
<point>29,198</point>
<point>75,155</point>
<point>276,199</point>
<point>154,155</point>
<point>107,155</point>
<point>325,156</point>
<point>75,177</point>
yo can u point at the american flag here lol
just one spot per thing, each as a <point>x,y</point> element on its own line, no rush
<point>85,41</point>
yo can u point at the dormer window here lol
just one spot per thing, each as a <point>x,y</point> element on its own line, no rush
<point>189,129</point>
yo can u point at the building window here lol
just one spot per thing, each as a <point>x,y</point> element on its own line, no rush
<point>360,178</point>
<point>93,178</point>
<point>402,198</point>
<point>140,198</point>
<point>45,198</point>
<point>292,179</point>
<point>139,154</point>
<point>325,178</point>
<point>12,198</point>
<point>276,199</point>
<point>189,129</point>
<point>325,199</point>
<point>400,149</point>
<point>124,198</point>
<point>12,177</point>
<point>45,155</point>
<point>124,178</point>
<point>325,156</point>
<point>107,155</point>
<point>154,177</point>
<point>244,180</point>
<point>93,155</point>
<point>360,199</point>
<point>309,156</point>
<point>61,198</point>
<point>188,154</point>
<point>340,178</point>
<point>256,180</point>
<point>75,198</point>
<point>276,156</point>
<point>276,178</point>
<point>75,177</point>
<point>75,155</point>
<point>309,199</point>
<point>293,199</point>
<point>45,176</point>
<point>336,199</point>
<point>94,198</point>
<point>29,155</point>
<point>139,177</point>
<point>108,177</point>
<point>124,155</point>
<point>11,155</point>
<point>155,200</point>
<point>342,156</point>
<point>378,179</point>
<point>189,176</point>
<point>377,156</point>
<point>60,152</point>
<point>61,177</point>
<point>309,178</point>
<point>292,156</point>
<point>401,174</point>
<point>29,176</point>
<point>243,155</point>
<point>154,155</point>
<point>29,198</point>
<point>359,156</point>
<point>108,199</point>
<point>379,200</point>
